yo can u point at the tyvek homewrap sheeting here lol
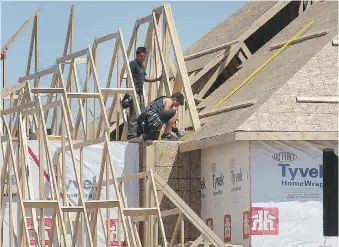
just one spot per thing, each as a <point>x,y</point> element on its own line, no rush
<point>125,157</point>
<point>225,191</point>
<point>280,204</point>
<point>287,208</point>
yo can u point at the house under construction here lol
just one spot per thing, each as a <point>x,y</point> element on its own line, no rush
<point>257,167</point>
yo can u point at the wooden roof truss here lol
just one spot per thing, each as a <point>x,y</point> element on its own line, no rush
<point>161,33</point>
<point>72,220</point>
<point>59,113</point>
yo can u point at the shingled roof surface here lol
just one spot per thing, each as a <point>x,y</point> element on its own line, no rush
<point>308,68</point>
<point>228,30</point>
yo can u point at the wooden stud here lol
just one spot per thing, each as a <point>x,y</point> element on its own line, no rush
<point>210,50</point>
<point>300,39</point>
<point>232,53</point>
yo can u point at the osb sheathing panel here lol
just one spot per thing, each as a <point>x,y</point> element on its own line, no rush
<point>230,29</point>
<point>182,172</point>
<point>282,112</point>
<point>270,79</point>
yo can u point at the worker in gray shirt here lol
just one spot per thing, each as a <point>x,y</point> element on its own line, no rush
<point>139,78</point>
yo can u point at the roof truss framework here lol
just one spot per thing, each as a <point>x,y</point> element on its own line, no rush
<point>152,217</point>
<point>160,35</point>
<point>34,46</point>
<point>61,88</point>
<point>66,214</point>
<point>116,113</point>
<point>242,55</point>
<point>204,78</point>
<point>59,203</point>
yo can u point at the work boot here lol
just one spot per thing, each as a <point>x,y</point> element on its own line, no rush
<point>169,137</point>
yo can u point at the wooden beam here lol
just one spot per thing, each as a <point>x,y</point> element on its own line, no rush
<point>5,47</point>
<point>72,209</point>
<point>234,50</point>
<point>319,99</point>
<point>51,105</point>
<point>206,142</point>
<point>40,204</point>
<point>144,20</point>
<point>262,135</point>
<point>130,177</point>
<point>162,58</point>
<point>102,204</point>
<point>114,91</point>
<point>71,56</point>
<point>210,50</point>
<point>170,212</point>
<point>19,108</point>
<point>288,136</point>
<point>38,74</point>
<point>139,211</point>
<point>227,109</point>
<point>186,210</point>
<point>106,38</point>
<point>83,95</point>
<point>30,53</point>
<point>209,66</point>
<point>182,67</point>
<point>197,242</point>
<point>158,10</point>
<point>47,90</point>
<point>246,51</point>
<point>4,92</point>
<point>301,39</point>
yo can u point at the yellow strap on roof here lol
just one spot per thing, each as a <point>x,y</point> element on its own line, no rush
<point>301,32</point>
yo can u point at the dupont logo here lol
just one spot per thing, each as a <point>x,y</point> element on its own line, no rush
<point>284,156</point>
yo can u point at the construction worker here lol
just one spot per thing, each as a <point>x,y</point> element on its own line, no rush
<point>139,78</point>
<point>162,111</point>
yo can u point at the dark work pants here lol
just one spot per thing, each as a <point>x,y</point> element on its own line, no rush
<point>153,134</point>
<point>132,120</point>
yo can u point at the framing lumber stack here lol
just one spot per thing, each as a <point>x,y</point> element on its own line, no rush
<point>57,113</point>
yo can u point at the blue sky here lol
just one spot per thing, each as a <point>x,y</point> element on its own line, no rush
<point>95,19</point>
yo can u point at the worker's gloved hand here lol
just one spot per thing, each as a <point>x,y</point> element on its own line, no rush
<point>179,133</point>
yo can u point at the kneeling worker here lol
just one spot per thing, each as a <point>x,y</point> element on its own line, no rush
<point>158,113</point>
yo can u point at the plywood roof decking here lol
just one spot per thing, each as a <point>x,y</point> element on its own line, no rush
<point>230,29</point>
<point>282,112</point>
<point>274,75</point>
